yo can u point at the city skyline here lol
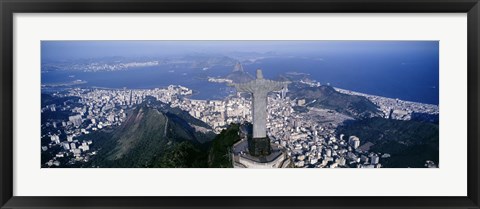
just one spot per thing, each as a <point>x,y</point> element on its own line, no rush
<point>192,110</point>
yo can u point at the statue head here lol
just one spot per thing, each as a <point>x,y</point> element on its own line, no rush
<point>259,74</point>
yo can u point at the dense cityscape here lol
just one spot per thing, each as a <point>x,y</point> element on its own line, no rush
<point>309,137</point>
<point>239,104</point>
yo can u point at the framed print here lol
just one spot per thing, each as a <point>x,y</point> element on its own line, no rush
<point>265,104</point>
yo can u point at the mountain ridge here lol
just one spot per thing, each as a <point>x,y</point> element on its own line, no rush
<point>327,97</point>
<point>238,75</point>
<point>144,138</point>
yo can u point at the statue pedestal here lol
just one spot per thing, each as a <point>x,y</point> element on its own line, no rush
<point>259,146</point>
<point>276,157</point>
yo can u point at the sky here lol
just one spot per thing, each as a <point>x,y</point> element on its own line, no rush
<point>62,50</point>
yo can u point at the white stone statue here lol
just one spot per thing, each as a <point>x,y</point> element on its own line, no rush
<point>259,88</point>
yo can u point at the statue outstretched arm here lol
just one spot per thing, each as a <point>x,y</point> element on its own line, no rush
<point>242,87</point>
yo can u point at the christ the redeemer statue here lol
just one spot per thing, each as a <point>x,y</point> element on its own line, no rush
<point>259,88</point>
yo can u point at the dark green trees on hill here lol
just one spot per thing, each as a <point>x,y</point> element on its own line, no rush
<point>410,143</point>
<point>219,154</point>
<point>161,138</point>
<point>146,138</point>
<point>182,155</point>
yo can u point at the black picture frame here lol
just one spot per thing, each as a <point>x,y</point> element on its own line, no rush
<point>10,7</point>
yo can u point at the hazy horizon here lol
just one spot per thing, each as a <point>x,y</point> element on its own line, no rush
<point>57,50</point>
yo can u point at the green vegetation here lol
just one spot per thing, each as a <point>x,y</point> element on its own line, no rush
<point>182,155</point>
<point>149,138</point>
<point>219,155</point>
<point>161,138</point>
<point>410,143</point>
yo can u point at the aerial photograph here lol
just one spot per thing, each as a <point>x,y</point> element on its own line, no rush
<point>239,104</point>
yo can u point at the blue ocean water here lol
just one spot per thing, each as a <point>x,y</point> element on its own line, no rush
<point>396,80</point>
<point>408,70</point>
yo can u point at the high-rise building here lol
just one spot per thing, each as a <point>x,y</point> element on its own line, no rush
<point>374,159</point>
<point>66,146</point>
<point>301,102</point>
<point>328,152</point>
<point>69,138</point>
<point>73,146</point>
<point>284,92</point>
<point>85,146</point>
<point>354,142</point>
<point>55,138</point>
<point>76,120</point>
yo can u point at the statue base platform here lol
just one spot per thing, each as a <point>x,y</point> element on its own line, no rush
<point>276,158</point>
<point>259,146</point>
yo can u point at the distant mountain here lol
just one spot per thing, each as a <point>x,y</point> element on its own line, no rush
<point>204,60</point>
<point>238,75</point>
<point>238,67</point>
<point>189,61</point>
<point>153,136</point>
<point>327,97</point>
